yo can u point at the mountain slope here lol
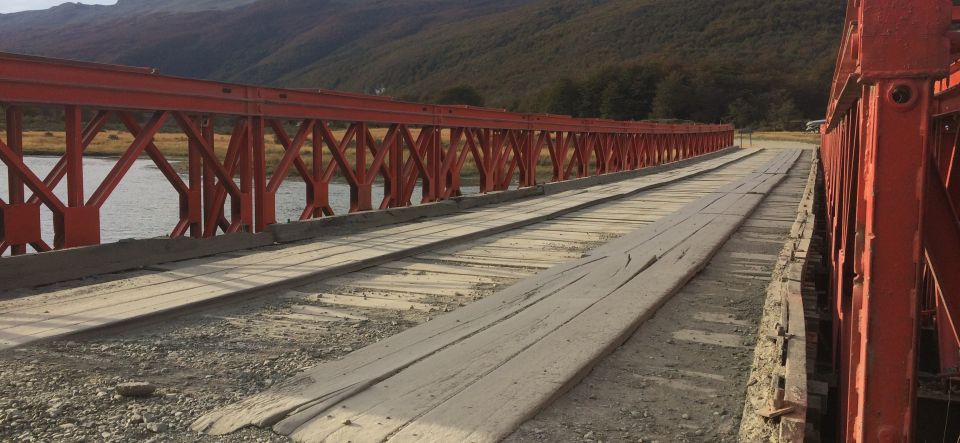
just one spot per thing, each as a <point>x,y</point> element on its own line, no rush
<point>77,13</point>
<point>568,37</point>
<point>510,50</point>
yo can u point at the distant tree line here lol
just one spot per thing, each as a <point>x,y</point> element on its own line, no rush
<point>709,94</point>
<point>706,93</point>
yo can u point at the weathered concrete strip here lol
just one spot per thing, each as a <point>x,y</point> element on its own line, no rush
<point>186,285</point>
<point>477,373</point>
<point>59,266</point>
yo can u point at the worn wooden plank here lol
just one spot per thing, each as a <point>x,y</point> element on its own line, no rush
<point>480,261</point>
<point>368,366</point>
<point>492,407</point>
<point>414,265</point>
<point>367,301</point>
<point>455,367</point>
<point>413,343</point>
<point>483,343</point>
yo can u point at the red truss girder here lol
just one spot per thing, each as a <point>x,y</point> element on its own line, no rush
<point>942,246</point>
<point>892,229</point>
<point>428,145</point>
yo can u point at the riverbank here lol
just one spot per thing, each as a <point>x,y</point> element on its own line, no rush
<point>113,143</point>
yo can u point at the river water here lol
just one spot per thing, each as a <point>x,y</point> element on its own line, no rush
<point>144,205</point>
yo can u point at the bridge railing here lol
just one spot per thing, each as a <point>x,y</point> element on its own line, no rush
<point>429,146</point>
<point>890,161</point>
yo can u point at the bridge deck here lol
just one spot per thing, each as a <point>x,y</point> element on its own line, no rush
<point>325,319</point>
<point>477,374</point>
<point>684,375</point>
<point>182,284</point>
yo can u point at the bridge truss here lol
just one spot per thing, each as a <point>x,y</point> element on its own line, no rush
<point>892,173</point>
<point>424,145</point>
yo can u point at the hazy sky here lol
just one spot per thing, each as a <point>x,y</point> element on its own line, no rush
<point>23,5</point>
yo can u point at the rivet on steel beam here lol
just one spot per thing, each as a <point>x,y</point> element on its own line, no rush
<point>902,95</point>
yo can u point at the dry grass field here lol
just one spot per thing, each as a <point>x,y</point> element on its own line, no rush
<point>174,146</point>
<point>808,137</point>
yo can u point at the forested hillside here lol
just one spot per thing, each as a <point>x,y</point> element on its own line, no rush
<point>758,62</point>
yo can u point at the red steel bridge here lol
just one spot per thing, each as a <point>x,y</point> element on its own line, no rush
<point>425,144</point>
<point>890,162</point>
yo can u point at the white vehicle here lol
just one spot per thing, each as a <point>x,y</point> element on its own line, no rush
<point>814,126</point>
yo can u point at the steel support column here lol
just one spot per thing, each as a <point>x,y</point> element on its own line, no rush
<point>875,156</point>
<point>16,208</point>
<point>894,174</point>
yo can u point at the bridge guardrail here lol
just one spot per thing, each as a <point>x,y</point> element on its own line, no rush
<point>426,144</point>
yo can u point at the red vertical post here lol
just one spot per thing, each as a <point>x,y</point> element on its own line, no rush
<point>643,150</point>
<point>434,164</point>
<point>653,149</point>
<point>894,175</point>
<point>74,154</point>
<point>264,205</point>
<point>195,171</point>
<point>245,204</point>
<point>361,198</point>
<point>602,152</point>
<point>394,183</point>
<point>582,147</point>
<point>453,159</point>
<point>437,169</point>
<point>321,186</point>
<point>488,179</point>
<point>442,182</point>
<point>660,146</point>
<point>15,143</point>
<point>583,154</point>
<point>559,157</point>
<point>78,224</point>
<point>206,124</point>
<point>497,148</point>
<point>679,144</point>
<point>533,154</point>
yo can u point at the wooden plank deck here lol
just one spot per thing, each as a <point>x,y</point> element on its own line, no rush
<point>477,373</point>
<point>684,374</point>
<point>176,286</point>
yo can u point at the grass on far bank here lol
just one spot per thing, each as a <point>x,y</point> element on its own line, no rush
<point>807,137</point>
<point>174,147</point>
